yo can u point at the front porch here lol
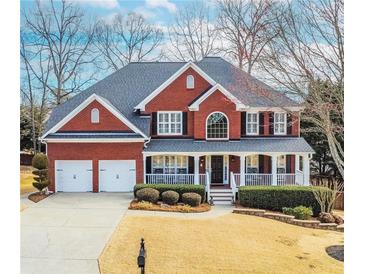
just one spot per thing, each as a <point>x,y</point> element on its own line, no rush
<point>227,170</point>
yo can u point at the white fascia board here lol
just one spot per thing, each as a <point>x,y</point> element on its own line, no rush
<point>278,109</point>
<point>237,153</point>
<point>83,105</point>
<point>95,140</point>
<point>217,87</point>
<point>188,65</point>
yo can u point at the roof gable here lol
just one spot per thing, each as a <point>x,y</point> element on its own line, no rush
<point>158,90</point>
<point>105,103</point>
<point>217,87</point>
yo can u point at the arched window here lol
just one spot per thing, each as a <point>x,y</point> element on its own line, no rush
<point>217,126</point>
<point>94,116</point>
<point>190,82</point>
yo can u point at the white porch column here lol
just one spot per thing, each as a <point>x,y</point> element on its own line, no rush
<point>242,170</point>
<point>196,170</point>
<point>306,169</point>
<point>296,162</point>
<point>274,159</point>
<point>144,168</point>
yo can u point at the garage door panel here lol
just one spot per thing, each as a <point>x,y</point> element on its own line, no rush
<point>117,175</point>
<point>73,175</point>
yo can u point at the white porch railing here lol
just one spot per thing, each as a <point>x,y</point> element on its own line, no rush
<point>202,179</point>
<point>170,179</point>
<point>258,179</point>
<point>286,179</point>
<point>233,185</point>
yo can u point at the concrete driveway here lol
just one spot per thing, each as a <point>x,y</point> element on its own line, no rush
<point>67,232</point>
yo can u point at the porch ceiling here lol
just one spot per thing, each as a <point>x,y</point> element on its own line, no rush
<point>263,145</point>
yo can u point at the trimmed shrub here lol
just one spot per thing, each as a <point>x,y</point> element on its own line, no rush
<point>277,197</point>
<point>40,161</point>
<point>179,188</point>
<point>191,199</point>
<point>148,195</point>
<point>40,185</point>
<point>170,197</point>
<point>299,212</point>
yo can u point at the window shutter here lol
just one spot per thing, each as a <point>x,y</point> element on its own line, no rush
<point>154,123</point>
<point>269,164</point>
<point>271,123</point>
<point>191,165</point>
<point>288,164</point>
<point>288,124</point>
<point>243,123</point>
<point>261,123</point>
<point>261,163</point>
<point>185,123</point>
<point>148,164</point>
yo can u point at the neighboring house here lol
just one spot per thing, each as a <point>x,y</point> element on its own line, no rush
<point>176,122</point>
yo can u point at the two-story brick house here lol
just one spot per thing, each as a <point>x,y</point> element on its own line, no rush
<point>175,122</point>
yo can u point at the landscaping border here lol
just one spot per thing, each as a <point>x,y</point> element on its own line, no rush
<point>289,219</point>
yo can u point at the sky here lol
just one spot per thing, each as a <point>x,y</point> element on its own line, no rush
<point>160,12</point>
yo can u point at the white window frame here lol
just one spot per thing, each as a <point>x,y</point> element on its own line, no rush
<point>252,123</point>
<point>190,82</point>
<point>175,165</point>
<point>277,122</point>
<point>206,126</point>
<point>95,116</point>
<point>169,122</point>
<point>248,161</point>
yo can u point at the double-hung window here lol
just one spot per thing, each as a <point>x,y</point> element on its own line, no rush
<point>169,123</point>
<point>281,164</point>
<point>252,124</point>
<point>169,164</point>
<point>252,163</point>
<point>280,123</point>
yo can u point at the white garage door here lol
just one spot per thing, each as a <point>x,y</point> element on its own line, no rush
<point>117,175</point>
<point>74,175</point>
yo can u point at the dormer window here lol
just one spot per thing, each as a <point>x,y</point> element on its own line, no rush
<point>94,116</point>
<point>280,123</point>
<point>190,82</point>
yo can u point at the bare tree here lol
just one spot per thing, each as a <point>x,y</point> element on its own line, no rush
<point>326,193</point>
<point>246,25</point>
<point>307,58</point>
<point>59,28</point>
<point>34,86</point>
<point>127,39</point>
<point>193,35</point>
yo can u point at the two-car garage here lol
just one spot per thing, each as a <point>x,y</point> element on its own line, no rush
<point>77,175</point>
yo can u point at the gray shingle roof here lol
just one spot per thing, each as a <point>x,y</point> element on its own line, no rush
<point>128,86</point>
<point>287,145</point>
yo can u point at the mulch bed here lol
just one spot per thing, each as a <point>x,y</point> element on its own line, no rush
<point>134,205</point>
<point>336,252</point>
<point>37,196</point>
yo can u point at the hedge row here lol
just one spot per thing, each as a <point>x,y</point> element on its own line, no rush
<point>277,197</point>
<point>179,188</point>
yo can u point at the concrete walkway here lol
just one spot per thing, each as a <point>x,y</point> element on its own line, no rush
<point>67,232</point>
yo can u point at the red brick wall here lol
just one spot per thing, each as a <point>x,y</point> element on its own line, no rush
<point>82,121</point>
<point>234,164</point>
<point>295,124</point>
<point>217,102</point>
<point>176,97</point>
<point>94,152</point>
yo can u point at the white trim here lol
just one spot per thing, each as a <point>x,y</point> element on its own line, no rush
<point>188,65</point>
<point>236,153</point>
<point>206,126</point>
<point>94,140</point>
<point>83,105</point>
<point>285,123</point>
<point>258,123</point>
<point>217,87</point>
<point>190,81</point>
<point>169,112</point>
<point>278,109</point>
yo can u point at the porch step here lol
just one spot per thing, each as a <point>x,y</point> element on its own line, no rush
<point>221,196</point>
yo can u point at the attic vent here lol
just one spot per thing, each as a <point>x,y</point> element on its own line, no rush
<point>190,82</point>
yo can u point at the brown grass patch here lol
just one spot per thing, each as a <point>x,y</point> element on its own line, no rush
<point>134,205</point>
<point>36,197</point>
<point>232,243</point>
<point>26,180</point>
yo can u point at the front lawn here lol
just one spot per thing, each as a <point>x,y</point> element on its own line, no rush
<point>26,180</point>
<point>231,243</point>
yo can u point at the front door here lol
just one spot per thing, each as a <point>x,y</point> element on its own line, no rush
<point>217,169</point>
